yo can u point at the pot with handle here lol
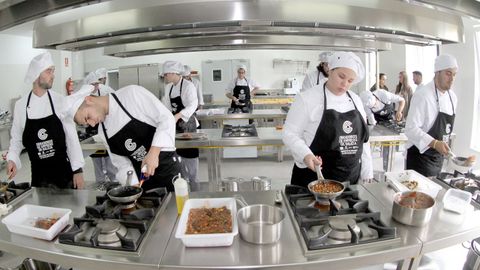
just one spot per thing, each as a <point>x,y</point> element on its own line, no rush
<point>412,208</point>
<point>259,223</point>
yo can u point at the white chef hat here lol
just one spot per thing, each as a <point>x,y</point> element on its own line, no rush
<point>445,61</point>
<point>186,70</point>
<point>172,67</point>
<point>76,99</point>
<point>323,57</point>
<point>367,98</point>
<point>244,67</point>
<point>38,64</point>
<point>101,73</point>
<point>347,60</point>
<point>91,78</point>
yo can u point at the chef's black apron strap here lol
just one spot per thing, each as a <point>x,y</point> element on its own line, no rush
<point>339,142</point>
<point>431,161</point>
<point>121,106</point>
<point>44,140</point>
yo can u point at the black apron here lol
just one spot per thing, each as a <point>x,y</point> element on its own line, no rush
<point>430,162</point>
<point>182,126</point>
<point>93,131</point>
<point>386,114</point>
<point>242,93</point>
<point>44,139</point>
<point>133,141</point>
<point>339,142</point>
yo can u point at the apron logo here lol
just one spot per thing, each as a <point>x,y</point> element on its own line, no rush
<point>130,145</point>
<point>347,127</point>
<point>448,128</point>
<point>42,134</point>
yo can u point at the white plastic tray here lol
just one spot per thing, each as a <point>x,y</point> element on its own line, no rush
<point>22,220</point>
<point>424,184</point>
<point>207,240</point>
<point>456,200</point>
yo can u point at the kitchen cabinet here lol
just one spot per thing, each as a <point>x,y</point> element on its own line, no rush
<point>144,75</point>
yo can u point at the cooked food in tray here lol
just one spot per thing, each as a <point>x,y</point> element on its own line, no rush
<point>209,220</point>
<point>45,223</point>
<point>410,184</point>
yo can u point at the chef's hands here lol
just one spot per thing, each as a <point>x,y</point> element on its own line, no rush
<point>311,161</point>
<point>440,146</point>
<point>177,116</point>
<point>78,181</point>
<point>151,160</point>
<point>11,169</point>
<point>399,115</point>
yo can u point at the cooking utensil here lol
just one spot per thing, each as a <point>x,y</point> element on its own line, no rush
<point>259,223</point>
<point>125,194</point>
<point>321,196</point>
<point>319,172</point>
<point>412,208</point>
<point>278,197</point>
<point>261,183</point>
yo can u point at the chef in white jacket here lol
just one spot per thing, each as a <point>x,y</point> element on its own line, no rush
<point>317,76</point>
<point>188,76</point>
<point>326,126</point>
<point>241,90</point>
<point>137,130</point>
<point>181,99</point>
<point>379,106</point>
<point>41,127</point>
<point>430,119</point>
<point>102,163</point>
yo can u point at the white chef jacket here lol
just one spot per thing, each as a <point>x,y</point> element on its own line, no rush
<point>243,82</point>
<point>305,116</point>
<point>198,86</point>
<point>145,107</point>
<point>311,79</point>
<point>423,112</point>
<point>189,98</point>
<point>385,97</point>
<point>39,107</point>
<point>104,90</point>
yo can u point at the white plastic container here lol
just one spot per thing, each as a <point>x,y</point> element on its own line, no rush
<point>22,220</point>
<point>456,200</point>
<point>424,184</point>
<point>207,240</point>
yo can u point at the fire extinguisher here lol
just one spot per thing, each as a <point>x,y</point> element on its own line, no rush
<point>69,86</point>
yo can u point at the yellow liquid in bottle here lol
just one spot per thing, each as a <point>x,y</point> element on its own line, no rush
<point>180,202</point>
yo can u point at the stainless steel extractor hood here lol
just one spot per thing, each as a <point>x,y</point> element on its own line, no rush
<point>274,24</point>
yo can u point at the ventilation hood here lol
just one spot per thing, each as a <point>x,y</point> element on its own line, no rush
<point>175,26</point>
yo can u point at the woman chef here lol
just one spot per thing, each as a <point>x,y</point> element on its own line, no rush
<point>326,126</point>
<point>137,130</point>
<point>240,90</point>
<point>39,125</point>
<point>181,99</point>
<point>430,119</point>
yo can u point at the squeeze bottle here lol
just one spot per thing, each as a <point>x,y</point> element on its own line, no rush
<point>181,192</point>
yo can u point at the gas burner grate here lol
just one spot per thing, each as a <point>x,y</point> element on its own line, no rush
<point>12,191</point>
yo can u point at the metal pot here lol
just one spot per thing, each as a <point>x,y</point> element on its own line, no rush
<point>261,183</point>
<point>412,208</point>
<point>473,256</point>
<point>260,223</point>
<point>125,194</point>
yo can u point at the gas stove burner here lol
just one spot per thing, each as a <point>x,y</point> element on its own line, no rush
<point>12,191</point>
<point>109,233</point>
<point>341,229</point>
<point>238,110</point>
<point>230,131</point>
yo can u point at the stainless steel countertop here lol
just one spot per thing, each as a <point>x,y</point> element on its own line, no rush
<point>147,257</point>
<point>266,136</point>
<point>160,248</point>
<point>255,114</point>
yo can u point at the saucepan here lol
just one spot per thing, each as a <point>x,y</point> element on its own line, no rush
<point>259,223</point>
<point>125,194</point>
<point>412,208</point>
<point>325,189</point>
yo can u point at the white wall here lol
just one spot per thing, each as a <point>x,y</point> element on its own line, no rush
<point>465,86</point>
<point>16,53</point>
<point>391,63</point>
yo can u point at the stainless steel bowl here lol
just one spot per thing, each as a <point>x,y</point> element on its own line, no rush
<point>412,208</point>
<point>325,195</point>
<point>260,223</point>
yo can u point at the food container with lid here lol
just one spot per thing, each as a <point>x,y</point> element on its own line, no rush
<point>456,200</point>
<point>23,220</point>
<point>212,239</point>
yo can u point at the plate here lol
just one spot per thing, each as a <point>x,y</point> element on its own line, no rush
<point>190,136</point>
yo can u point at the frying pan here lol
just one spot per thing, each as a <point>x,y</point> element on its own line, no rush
<point>320,196</point>
<point>125,194</point>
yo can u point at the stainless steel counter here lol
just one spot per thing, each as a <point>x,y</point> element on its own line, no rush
<point>161,250</point>
<point>255,114</point>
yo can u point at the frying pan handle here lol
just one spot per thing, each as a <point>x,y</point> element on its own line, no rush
<point>241,200</point>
